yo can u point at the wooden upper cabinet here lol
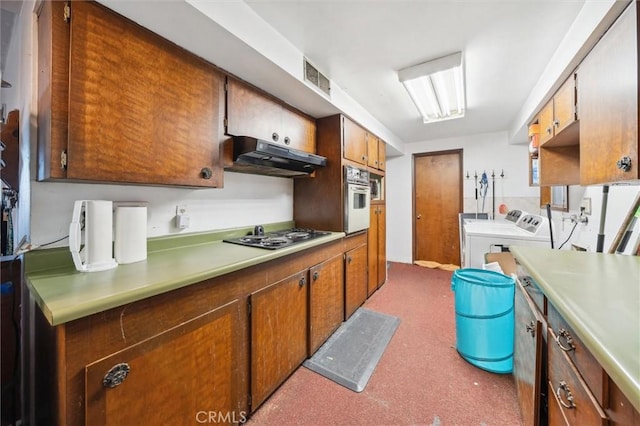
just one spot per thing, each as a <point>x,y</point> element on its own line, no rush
<point>372,150</point>
<point>376,152</point>
<point>608,100</point>
<point>118,103</point>
<point>354,140</point>
<point>251,112</point>
<point>557,116</point>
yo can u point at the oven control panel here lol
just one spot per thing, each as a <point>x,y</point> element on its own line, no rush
<point>356,175</point>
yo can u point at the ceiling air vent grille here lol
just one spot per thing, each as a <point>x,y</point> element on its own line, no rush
<point>316,78</point>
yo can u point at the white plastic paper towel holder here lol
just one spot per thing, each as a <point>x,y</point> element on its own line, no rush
<point>96,255</point>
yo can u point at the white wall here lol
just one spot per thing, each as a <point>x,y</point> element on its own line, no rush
<point>45,207</point>
<point>481,153</point>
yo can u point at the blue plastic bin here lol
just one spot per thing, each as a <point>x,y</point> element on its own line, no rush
<point>484,318</point>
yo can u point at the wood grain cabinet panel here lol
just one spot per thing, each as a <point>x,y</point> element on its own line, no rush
<point>567,341</point>
<point>251,112</point>
<point>527,358</point>
<point>355,279</point>
<point>559,151</point>
<point>570,400</point>
<point>354,142</point>
<point>140,109</point>
<point>326,300</point>
<point>278,334</point>
<point>193,363</point>
<point>376,245</point>
<point>608,105</point>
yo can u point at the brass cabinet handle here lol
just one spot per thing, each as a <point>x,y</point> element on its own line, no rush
<point>116,375</point>
<point>548,130</point>
<point>531,328</point>
<point>302,282</point>
<point>349,259</point>
<point>316,274</point>
<point>564,334</point>
<point>564,389</point>
<point>419,216</point>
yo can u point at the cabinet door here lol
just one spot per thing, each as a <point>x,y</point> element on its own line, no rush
<point>372,249</point>
<point>326,301</point>
<point>372,151</point>
<point>382,244</point>
<point>564,105</point>
<point>382,154</point>
<point>278,334</point>
<point>252,113</point>
<point>355,279</point>
<point>608,104</point>
<point>141,109</point>
<point>545,118</point>
<point>354,140</point>
<point>299,130</point>
<point>527,357</point>
<point>186,369</point>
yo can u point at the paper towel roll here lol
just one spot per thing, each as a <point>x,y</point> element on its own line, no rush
<point>131,234</point>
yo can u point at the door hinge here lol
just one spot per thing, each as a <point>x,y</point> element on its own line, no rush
<point>226,122</point>
<point>63,159</point>
<point>67,12</point>
<point>249,307</point>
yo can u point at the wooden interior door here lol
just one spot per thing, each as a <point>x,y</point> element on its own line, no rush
<point>437,200</point>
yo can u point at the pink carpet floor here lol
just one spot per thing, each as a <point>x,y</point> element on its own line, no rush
<point>420,379</point>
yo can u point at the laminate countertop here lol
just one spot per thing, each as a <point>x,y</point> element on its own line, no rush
<point>598,294</point>
<point>64,294</point>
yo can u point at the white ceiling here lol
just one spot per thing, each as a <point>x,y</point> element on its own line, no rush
<point>360,45</point>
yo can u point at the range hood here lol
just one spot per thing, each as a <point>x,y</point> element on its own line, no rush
<point>256,156</point>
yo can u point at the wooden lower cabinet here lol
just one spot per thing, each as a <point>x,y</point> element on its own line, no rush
<point>191,366</point>
<point>355,276</point>
<point>210,352</point>
<point>326,300</point>
<point>527,360</point>
<point>278,334</point>
<point>377,248</point>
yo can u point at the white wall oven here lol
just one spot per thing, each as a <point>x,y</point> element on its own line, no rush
<point>357,197</point>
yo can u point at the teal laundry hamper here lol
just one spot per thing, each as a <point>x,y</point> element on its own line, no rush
<point>484,302</point>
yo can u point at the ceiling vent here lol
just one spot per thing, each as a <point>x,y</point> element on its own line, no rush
<point>316,78</point>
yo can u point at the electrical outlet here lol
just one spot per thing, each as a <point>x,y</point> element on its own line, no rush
<point>586,205</point>
<point>182,217</point>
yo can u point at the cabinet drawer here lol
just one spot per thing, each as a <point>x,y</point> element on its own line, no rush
<point>533,291</point>
<point>570,401</point>
<point>566,340</point>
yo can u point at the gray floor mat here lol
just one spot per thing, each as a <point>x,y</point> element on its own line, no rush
<point>351,354</point>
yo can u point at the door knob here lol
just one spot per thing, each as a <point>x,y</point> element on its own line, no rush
<point>419,216</point>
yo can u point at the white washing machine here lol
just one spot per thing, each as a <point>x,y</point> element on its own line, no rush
<point>487,237</point>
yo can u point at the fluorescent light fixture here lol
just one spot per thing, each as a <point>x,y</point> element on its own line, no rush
<point>436,87</point>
